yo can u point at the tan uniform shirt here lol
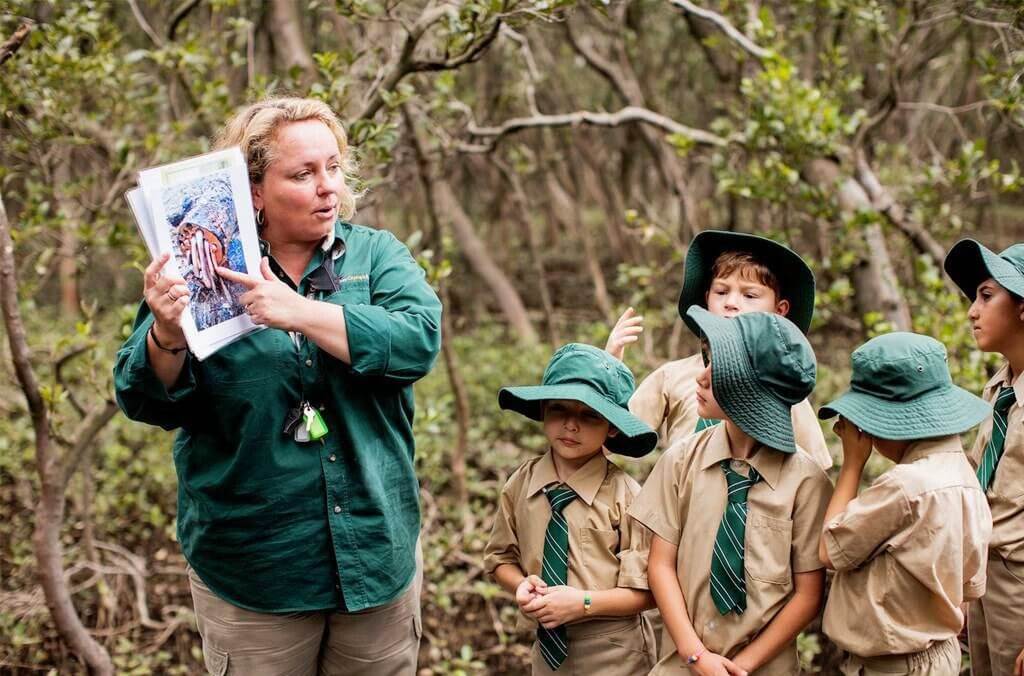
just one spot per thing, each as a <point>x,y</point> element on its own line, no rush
<point>606,549</point>
<point>1006,492</point>
<point>683,502</point>
<point>667,401</point>
<point>907,552</point>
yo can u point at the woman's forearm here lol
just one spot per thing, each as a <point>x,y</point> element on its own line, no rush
<point>166,365</point>
<point>620,602</point>
<point>324,324</point>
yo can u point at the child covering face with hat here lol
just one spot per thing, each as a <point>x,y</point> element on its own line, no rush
<point>995,285</point>
<point>910,548</point>
<point>736,510</point>
<point>562,543</point>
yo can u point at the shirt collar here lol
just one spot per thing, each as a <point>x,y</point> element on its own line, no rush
<point>322,276</point>
<point>585,481</point>
<point>925,447</point>
<point>767,461</point>
<point>1002,379</point>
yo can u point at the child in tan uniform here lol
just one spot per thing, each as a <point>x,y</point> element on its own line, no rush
<point>995,285</point>
<point>736,508</point>
<point>728,273</point>
<point>910,548</point>
<point>562,543</point>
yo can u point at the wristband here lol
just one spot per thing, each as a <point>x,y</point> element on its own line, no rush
<point>586,603</point>
<point>694,658</point>
<point>172,350</point>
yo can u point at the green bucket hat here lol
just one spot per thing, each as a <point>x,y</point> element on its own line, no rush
<point>761,366</point>
<point>795,278</point>
<point>969,263</point>
<point>901,389</point>
<point>593,377</point>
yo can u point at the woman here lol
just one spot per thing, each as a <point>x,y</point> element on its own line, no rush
<point>298,504</point>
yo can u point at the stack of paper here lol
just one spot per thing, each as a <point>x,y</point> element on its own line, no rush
<point>200,210</point>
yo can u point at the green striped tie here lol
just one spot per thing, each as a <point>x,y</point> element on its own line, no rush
<point>994,448</point>
<point>554,643</point>
<point>704,423</point>
<point>728,587</point>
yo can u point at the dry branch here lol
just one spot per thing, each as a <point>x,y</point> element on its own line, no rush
<point>13,43</point>
<point>726,27</point>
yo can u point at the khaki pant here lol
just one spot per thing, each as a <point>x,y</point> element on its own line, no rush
<point>995,622</point>
<point>613,647</point>
<point>382,641</point>
<point>941,659</point>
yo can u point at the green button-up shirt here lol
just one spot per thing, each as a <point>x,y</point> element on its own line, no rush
<point>274,525</point>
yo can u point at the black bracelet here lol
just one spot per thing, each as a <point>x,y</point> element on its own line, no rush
<point>172,350</point>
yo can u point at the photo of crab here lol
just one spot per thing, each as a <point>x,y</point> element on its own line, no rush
<point>205,234</point>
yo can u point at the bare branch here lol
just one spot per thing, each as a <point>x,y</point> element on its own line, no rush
<point>12,44</point>
<point>58,369</point>
<point>472,53</point>
<point>726,27</point>
<point>144,24</point>
<point>629,114</point>
<point>85,434</point>
<point>179,16</point>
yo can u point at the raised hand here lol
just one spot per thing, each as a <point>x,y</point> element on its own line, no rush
<point>167,297</point>
<point>626,330</point>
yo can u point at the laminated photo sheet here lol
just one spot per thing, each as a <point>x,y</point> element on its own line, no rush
<point>200,210</point>
<point>144,223</point>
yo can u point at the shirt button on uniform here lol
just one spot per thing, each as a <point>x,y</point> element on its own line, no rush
<point>337,509</point>
<point>309,362</point>
<point>333,457</point>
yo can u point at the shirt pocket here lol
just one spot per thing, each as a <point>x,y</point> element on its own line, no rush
<point>600,550</point>
<point>352,290</point>
<point>766,555</point>
<point>254,359</point>
<point>1009,480</point>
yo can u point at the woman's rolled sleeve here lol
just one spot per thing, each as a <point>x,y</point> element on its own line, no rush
<point>139,392</point>
<point>398,335</point>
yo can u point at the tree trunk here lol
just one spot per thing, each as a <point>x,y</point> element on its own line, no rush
<point>286,32</point>
<point>875,282</point>
<point>473,247</point>
<point>67,251</point>
<point>50,508</point>
<point>462,414</point>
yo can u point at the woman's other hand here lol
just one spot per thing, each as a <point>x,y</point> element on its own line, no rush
<point>167,297</point>
<point>269,301</point>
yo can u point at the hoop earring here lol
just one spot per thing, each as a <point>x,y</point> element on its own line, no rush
<point>259,217</point>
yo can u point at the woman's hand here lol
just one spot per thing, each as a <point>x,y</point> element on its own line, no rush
<point>558,605</point>
<point>269,301</point>
<point>626,330</point>
<point>167,298</point>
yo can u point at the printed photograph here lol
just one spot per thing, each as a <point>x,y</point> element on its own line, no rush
<point>205,234</point>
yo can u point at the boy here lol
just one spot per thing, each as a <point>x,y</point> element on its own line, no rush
<point>911,548</point>
<point>736,510</point>
<point>562,543</point>
<point>995,285</point>
<point>728,273</point>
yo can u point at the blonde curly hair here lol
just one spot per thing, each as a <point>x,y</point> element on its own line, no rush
<point>253,129</point>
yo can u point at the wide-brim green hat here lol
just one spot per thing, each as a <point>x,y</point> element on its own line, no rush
<point>795,277</point>
<point>969,263</point>
<point>594,378</point>
<point>761,366</point>
<point>901,389</point>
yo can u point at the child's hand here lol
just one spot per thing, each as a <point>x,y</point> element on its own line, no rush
<point>1018,666</point>
<point>712,664</point>
<point>559,605</point>
<point>856,443</point>
<point>527,590</point>
<point>626,330</point>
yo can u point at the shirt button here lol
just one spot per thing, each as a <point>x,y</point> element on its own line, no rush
<point>309,362</point>
<point>337,509</point>
<point>333,457</point>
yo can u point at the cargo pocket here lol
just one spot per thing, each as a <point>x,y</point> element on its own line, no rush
<point>215,659</point>
<point>767,551</point>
